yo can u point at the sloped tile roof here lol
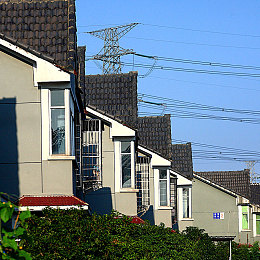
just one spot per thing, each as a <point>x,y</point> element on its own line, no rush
<point>255,193</point>
<point>26,48</point>
<point>47,26</point>
<point>182,159</point>
<point>115,94</point>
<point>50,201</point>
<point>154,132</point>
<point>236,181</point>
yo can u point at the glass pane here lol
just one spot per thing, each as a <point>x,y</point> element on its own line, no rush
<point>244,221</point>
<point>163,174</point>
<point>244,209</point>
<point>58,131</point>
<point>257,216</point>
<point>258,227</point>
<point>125,147</point>
<point>185,198</point>
<point>126,170</point>
<point>163,193</point>
<point>57,97</point>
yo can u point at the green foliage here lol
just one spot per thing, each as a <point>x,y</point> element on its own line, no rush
<point>72,234</point>
<point>9,248</point>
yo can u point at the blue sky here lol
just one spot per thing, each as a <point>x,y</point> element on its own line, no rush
<point>177,29</point>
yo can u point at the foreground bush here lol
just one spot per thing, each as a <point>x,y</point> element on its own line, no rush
<point>9,237</point>
<point>72,234</point>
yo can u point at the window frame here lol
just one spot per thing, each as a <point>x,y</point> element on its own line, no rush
<point>187,210</point>
<point>132,163</point>
<point>241,217</point>
<point>180,190</point>
<point>68,114</point>
<point>167,187</point>
<point>255,221</point>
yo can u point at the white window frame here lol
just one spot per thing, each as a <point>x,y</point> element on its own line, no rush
<point>254,226</point>
<point>68,114</point>
<point>180,202</point>
<point>240,217</point>
<point>132,164</point>
<point>168,189</point>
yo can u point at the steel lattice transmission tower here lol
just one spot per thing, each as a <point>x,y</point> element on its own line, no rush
<point>253,175</point>
<point>111,52</point>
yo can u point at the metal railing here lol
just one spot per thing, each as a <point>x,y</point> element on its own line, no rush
<point>142,183</point>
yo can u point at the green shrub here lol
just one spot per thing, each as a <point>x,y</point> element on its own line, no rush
<point>72,234</point>
<point>9,248</point>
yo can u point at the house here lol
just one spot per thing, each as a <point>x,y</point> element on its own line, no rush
<point>118,174</point>
<point>156,182</point>
<point>223,212</point>
<point>108,164</point>
<point>39,109</point>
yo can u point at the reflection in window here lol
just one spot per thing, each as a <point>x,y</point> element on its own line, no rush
<point>245,217</point>
<point>163,187</point>
<point>126,164</point>
<point>57,122</point>
<point>186,204</point>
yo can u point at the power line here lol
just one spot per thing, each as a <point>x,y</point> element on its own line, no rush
<point>181,28</point>
<point>216,146</point>
<point>194,43</point>
<point>189,115</point>
<point>199,62</point>
<point>203,83</point>
<point>189,61</point>
<point>179,69</point>
<point>192,105</point>
<point>198,30</point>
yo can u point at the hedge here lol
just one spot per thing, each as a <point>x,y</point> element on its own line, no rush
<point>72,234</point>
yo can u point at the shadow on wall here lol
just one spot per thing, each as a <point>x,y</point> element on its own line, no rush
<point>100,201</point>
<point>149,215</point>
<point>9,181</point>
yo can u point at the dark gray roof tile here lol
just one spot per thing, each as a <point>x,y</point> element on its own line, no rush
<point>154,132</point>
<point>43,25</point>
<point>182,159</point>
<point>236,181</point>
<point>115,94</point>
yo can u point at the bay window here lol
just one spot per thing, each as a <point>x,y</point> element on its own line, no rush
<point>61,116</point>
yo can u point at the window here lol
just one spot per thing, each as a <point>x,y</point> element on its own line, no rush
<point>91,154</point>
<point>257,224</point>
<point>126,164</point>
<point>142,183</point>
<point>57,108</point>
<point>173,198</point>
<point>186,202</point>
<point>163,187</point>
<point>245,219</point>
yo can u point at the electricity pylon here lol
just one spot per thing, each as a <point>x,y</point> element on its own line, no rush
<point>111,52</point>
<point>253,175</point>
